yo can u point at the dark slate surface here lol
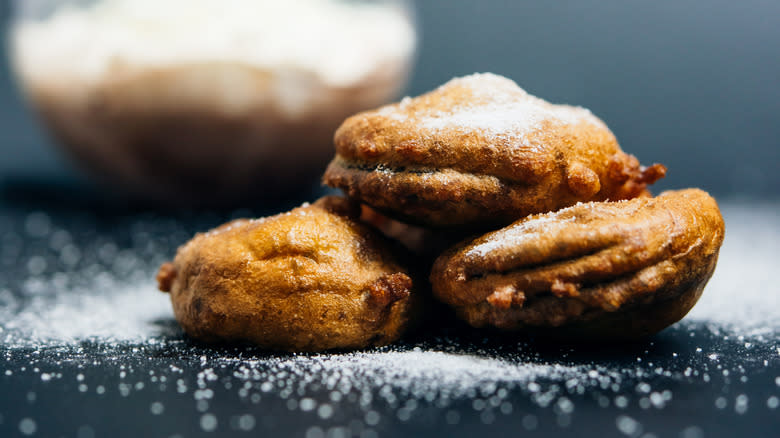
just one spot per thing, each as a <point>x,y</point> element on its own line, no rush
<point>698,378</point>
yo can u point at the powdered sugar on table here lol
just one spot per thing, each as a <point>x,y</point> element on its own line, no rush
<point>79,308</point>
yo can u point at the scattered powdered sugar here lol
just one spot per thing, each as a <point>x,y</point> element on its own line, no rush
<point>79,311</point>
<point>61,289</point>
<point>744,292</point>
<point>438,375</point>
<point>129,313</point>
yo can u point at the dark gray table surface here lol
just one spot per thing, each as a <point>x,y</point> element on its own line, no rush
<point>89,348</point>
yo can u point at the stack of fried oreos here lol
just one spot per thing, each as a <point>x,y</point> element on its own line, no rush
<point>585,251</point>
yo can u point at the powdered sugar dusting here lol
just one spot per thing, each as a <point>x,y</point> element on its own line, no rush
<point>82,288</point>
<point>498,107</point>
<point>55,317</point>
<point>445,375</point>
<point>519,234</point>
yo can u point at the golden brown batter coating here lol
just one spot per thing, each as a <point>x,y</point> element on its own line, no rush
<point>597,270</point>
<point>480,151</point>
<point>311,279</point>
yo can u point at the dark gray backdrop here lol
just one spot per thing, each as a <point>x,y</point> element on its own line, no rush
<point>694,84</point>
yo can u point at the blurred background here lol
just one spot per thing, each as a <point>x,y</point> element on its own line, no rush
<point>693,84</point>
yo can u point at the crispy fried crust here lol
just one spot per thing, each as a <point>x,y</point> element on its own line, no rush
<point>308,280</point>
<point>481,151</point>
<point>595,270</point>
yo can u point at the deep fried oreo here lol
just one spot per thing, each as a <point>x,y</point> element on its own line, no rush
<point>308,280</point>
<point>600,270</point>
<point>481,151</point>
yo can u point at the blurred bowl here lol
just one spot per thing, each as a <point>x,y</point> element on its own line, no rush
<point>207,101</point>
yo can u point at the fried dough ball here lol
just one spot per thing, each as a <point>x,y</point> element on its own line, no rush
<point>600,270</point>
<point>311,279</point>
<point>481,151</point>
